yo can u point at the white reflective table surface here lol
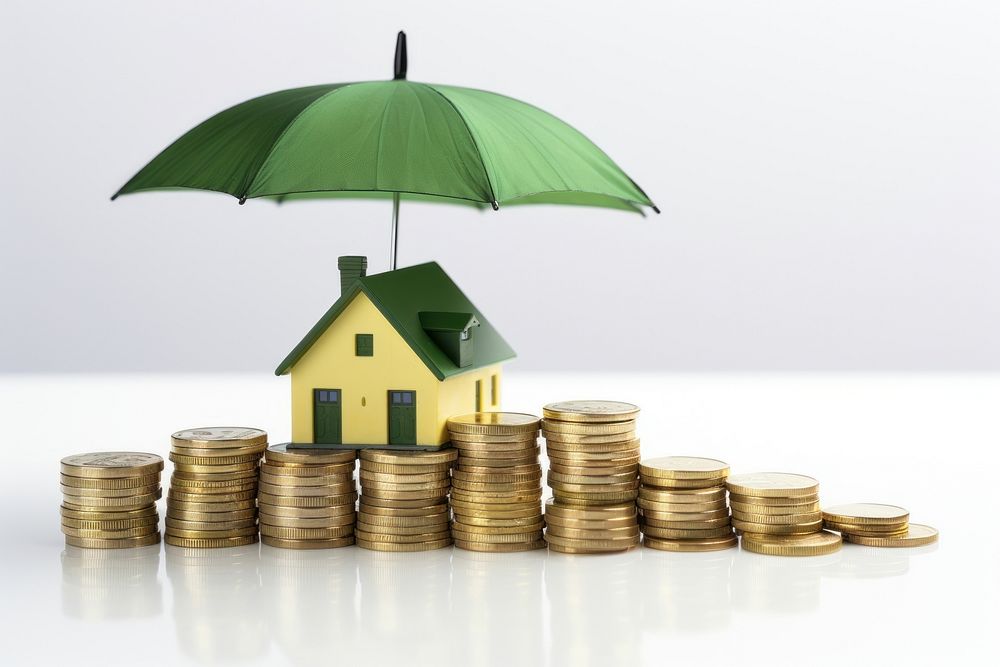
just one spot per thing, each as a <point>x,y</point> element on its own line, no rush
<point>926,442</point>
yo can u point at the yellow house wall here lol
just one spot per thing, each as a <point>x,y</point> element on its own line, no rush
<point>331,363</point>
<point>458,394</point>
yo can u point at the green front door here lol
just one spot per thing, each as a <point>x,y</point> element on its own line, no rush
<point>327,416</point>
<point>402,417</point>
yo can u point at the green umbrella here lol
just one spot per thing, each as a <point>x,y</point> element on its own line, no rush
<point>398,139</point>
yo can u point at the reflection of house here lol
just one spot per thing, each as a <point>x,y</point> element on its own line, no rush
<point>392,359</point>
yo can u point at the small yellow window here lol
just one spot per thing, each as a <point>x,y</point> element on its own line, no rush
<point>495,390</point>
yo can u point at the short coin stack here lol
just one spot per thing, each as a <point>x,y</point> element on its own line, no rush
<point>496,493</point>
<point>594,463</point>
<point>213,491</point>
<point>682,504</point>
<point>778,514</point>
<point>306,498</point>
<point>877,525</point>
<point>109,499</point>
<point>404,500</point>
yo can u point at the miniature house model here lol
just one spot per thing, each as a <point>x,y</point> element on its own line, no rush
<point>392,359</point>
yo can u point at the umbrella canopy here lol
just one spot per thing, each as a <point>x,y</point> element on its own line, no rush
<point>396,138</point>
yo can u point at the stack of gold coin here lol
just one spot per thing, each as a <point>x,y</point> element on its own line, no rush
<point>404,500</point>
<point>682,504</point>
<point>778,514</point>
<point>109,499</point>
<point>213,491</point>
<point>496,488</point>
<point>593,462</point>
<point>877,525</point>
<point>306,498</point>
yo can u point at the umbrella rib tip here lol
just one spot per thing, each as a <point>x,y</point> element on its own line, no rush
<point>495,205</point>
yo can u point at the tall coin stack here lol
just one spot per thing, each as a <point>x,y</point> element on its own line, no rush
<point>213,492</point>
<point>306,498</point>
<point>778,514</point>
<point>404,500</point>
<point>109,499</point>
<point>496,489</point>
<point>682,504</point>
<point>877,525</point>
<point>594,463</point>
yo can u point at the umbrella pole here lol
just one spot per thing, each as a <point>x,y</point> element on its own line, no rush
<point>394,234</point>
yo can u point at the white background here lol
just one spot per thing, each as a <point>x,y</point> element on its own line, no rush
<point>928,444</point>
<point>827,172</point>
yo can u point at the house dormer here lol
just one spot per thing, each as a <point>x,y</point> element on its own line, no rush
<point>452,332</point>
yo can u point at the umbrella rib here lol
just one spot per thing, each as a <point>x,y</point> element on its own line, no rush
<point>249,186</point>
<point>479,151</point>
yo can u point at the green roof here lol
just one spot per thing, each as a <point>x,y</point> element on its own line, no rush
<point>404,297</point>
<point>432,320</point>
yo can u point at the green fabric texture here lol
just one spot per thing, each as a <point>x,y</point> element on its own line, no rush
<point>401,296</point>
<point>381,137</point>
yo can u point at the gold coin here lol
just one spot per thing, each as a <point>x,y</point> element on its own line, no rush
<point>867,531</point>
<point>457,504</point>
<point>686,516</point>
<point>686,525</point>
<point>768,529</point>
<point>201,471</point>
<point>425,477</point>
<point>580,550</point>
<point>473,488</point>
<point>470,515</point>
<point>771,484</point>
<point>699,545</point>
<point>778,519</point>
<point>587,499</point>
<point>128,502</point>
<point>234,524</point>
<point>307,544</point>
<point>307,501</point>
<point>626,478</point>
<point>212,543</point>
<point>426,529</point>
<point>486,523</point>
<point>591,524</point>
<point>296,473</point>
<point>599,470</point>
<point>393,469</point>
<point>285,533</point>
<point>203,534</point>
<point>693,508</point>
<point>382,522</point>
<point>111,464</point>
<point>918,535</point>
<point>422,496</point>
<point>458,526</point>
<point>494,423</point>
<point>774,502</point>
<point>493,442</point>
<point>110,482</point>
<point>505,465</point>
<point>81,495</point>
<point>111,524</point>
<point>678,484</point>
<point>598,512</point>
<point>406,504</point>
<point>396,547</point>
<point>323,522</point>
<point>814,544</point>
<point>628,459</point>
<point>496,538</point>
<point>867,514</point>
<point>209,508</point>
<point>204,496</point>
<point>242,476</point>
<point>687,534</point>
<point>408,457</point>
<point>590,411</point>
<point>289,490</point>
<point>422,509</point>
<point>745,508</point>
<point>500,548</point>
<point>219,437</point>
<point>402,539</point>
<point>290,480</point>
<point>101,533</point>
<point>199,486</point>
<point>573,443</point>
<point>609,545</point>
<point>504,499</point>
<point>401,484</point>
<point>212,517</point>
<point>214,461</point>
<point>221,455</point>
<point>496,478</point>
<point>684,467</point>
<point>684,496</point>
<point>308,457</point>
<point>625,532</point>
<point>463,469</point>
<point>278,511</point>
<point>98,543</point>
<point>506,457</point>
<point>593,428</point>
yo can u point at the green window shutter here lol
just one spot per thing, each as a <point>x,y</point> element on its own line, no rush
<point>364,345</point>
